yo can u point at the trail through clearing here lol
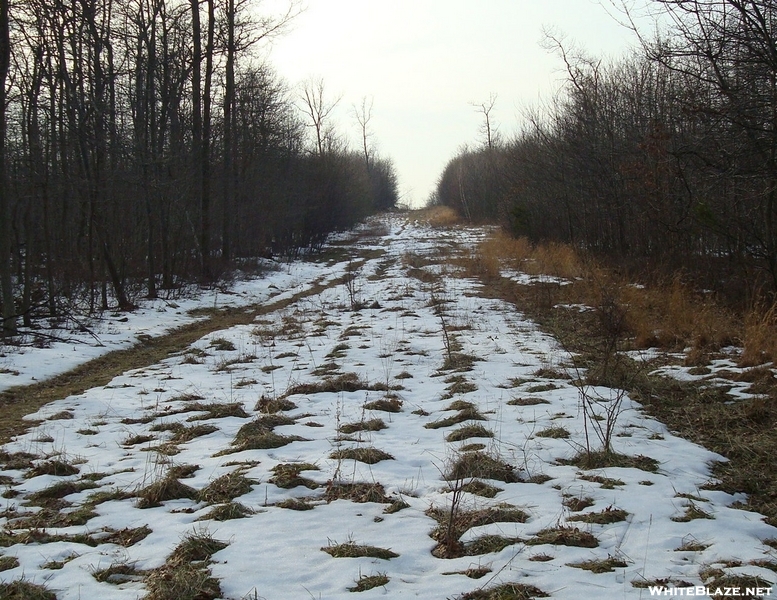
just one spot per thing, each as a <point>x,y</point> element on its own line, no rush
<point>341,426</point>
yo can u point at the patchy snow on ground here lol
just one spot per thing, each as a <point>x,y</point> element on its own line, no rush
<point>427,372</point>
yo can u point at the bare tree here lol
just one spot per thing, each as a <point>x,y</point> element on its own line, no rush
<point>489,131</point>
<point>9,311</point>
<point>317,107</point>
<point>363,116</point>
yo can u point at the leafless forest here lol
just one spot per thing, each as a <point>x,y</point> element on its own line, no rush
<point>664,160</point>
<point>146,144</point>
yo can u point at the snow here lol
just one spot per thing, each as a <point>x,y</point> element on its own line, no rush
<point>276,553</point>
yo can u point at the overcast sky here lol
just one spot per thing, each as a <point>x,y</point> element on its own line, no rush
<point>424,62</point>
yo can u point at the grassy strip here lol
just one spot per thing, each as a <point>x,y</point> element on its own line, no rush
<point>670,317</point>
<point>17,402</point>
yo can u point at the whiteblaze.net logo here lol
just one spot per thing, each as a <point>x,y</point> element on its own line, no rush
<point>702,591</point>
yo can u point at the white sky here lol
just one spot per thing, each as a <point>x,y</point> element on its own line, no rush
<point>425,61</point>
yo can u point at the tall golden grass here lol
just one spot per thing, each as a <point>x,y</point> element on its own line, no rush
<point>670,315</point>
<point>437,216</point>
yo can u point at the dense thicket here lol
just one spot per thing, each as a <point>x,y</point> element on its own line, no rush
<point>145,146</point>
<point>666,158</point>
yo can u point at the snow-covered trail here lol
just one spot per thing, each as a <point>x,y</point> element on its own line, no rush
<point>425,378</point>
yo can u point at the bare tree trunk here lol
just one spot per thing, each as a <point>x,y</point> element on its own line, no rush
<point>9,310</point>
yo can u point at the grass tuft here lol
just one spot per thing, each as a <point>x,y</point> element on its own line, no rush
<point>480,465</point>
<point>167,488</point>
<point>607,565</point>
<point>554,432</point>
<point>24,590</point>
<point>387,404</point>
<point>602,459</point>
<point>357,492</point>
<point>481,488</point>
<point>506,591</point>
<point>225,488</point>
<point>367,582</point>
<point>353,550</point>
<point>370,425</point>
<point>369,456</point>
<point>564,536</point>
<point>604,517</point>
<point>185,574</point>
<point>227,512</point>
<point>287,476</point>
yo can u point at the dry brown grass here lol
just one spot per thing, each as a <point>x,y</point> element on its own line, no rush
<point>185,575</point>
<point>759,338</point>
<point>436,216</point>
<point>506,591</point>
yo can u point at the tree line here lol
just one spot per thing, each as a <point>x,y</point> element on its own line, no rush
<point>665,159</point>
<point>145,145</point>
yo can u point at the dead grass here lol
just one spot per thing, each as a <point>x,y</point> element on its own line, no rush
<point>24,590</point>
<point>270,406</point>
<point>345,382</point>
<point>367,582</point>
<point>227,512</point>
<point>226,488</point>
<point>564,536</point>
<point>452,524</point>
<point>553,432</point>
<point>436,216</point>
<point>506,591</point>
<point>357,492</point>
<point>604,517</point>
<point>530,401</point>
<point>166,488</point>
<point>368,456</point>
<point>759,342</point>
<point>482,466</point>
<point>481,488</point>
<point>743,582</point>
<point>216,410</point>
<point>469,413</point>
<point>185,574</point>
<point>287,476</point>
<point>296,504</point>
<point>692,512</point>
<point>369,425</point>
<point>601,460</point>
<point>353,550</point>
<point>576,504</point>
<point>58,468</point>
<point>118,572</point>
<point>469,431</point>
<point>52,495</point>
<point>17,402</point>
<point>259,435</point>
<point>606,565</point>
<point>386,404</point>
